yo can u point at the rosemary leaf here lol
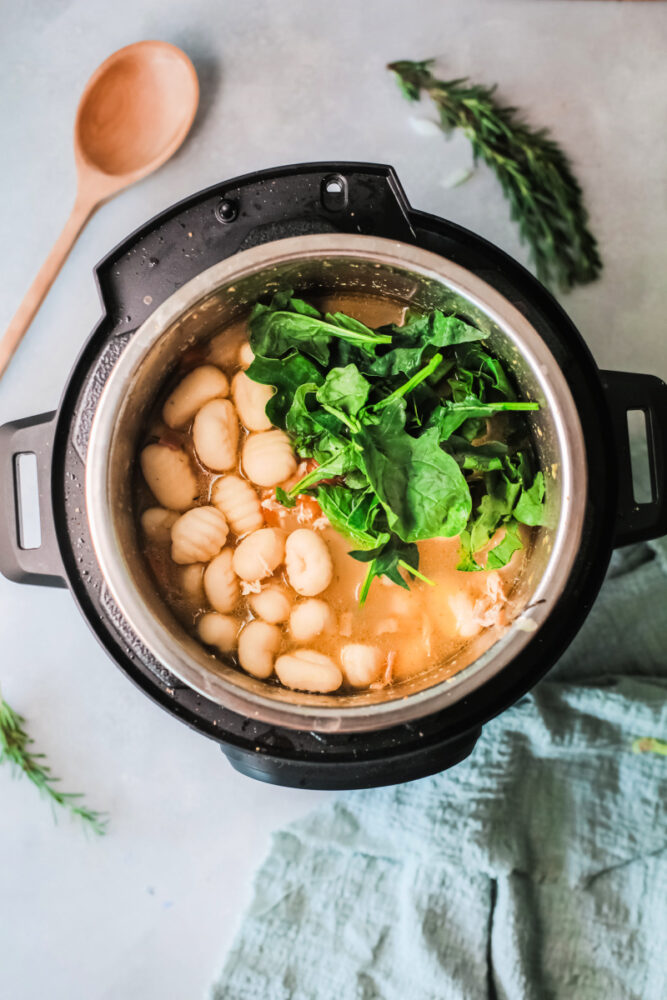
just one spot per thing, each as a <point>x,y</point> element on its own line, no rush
<point>14,750</point>
<point>535,175</point>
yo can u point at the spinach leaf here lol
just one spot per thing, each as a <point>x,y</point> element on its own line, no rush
<point>495,507</point>
<point>387,559</point>
<point>416,336</point>
<point>345,389</point>
<point>349,323</point>
<point>338,461</point>
<point>420,486</point>
<point>450,415</point>
<point>467,562</point>
<point>353,513</point>
<point>501,553</point>
<point>530,505</point>
<point>484,370</point>
<point>286,374</point>
<point>288,323</point>
<point>274,334</point>
<point>315,431</point>
<point>477,458</point>
<point>296,305</point>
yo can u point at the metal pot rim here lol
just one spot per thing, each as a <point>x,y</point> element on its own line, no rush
<point>567,534</point>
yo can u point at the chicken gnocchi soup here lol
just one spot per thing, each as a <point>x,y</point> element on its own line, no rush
<point>337,496</point>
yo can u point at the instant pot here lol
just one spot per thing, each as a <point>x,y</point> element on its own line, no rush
<point>343,228</point>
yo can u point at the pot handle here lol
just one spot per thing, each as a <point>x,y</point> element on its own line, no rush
<point>639,522</point>
<point>41,565</point>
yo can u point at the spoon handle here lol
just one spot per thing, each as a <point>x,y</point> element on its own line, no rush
<point>24,315</point>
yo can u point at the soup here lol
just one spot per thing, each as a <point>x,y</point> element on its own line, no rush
<point>273,586</point>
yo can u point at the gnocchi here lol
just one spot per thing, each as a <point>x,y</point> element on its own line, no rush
<point>250,399</point>
<point>215,433</point>
<point>272,603</point>
<point>268,458</point>
<point>308,562</point>
<point>362,664</point>
<point>197,388</point>
<point>170,476</point>
<point>219,351</point>
<point>198,535</point>
<point>258,644</point>
<point>221,584</point>
<point>218,630</point>
<point>238,501</point>
<point>259,554</point>
<point>308,670</point>
<point>246,355</point>
<point>156,524</point>
<point>311,618</point>
<point>191,579</point>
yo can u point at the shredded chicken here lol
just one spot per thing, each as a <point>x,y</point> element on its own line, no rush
<point>269,502</point>
<point>486,611</point>
<point>388,674</point>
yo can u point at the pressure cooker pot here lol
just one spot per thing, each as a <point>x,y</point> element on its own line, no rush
<point>333,229</point>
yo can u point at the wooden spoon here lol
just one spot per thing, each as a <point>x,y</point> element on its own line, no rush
<point>135,112</point>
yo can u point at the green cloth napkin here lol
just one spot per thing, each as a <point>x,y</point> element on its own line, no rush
<point>535,869</point>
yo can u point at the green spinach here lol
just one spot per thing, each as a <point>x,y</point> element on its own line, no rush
<point>397,421</point>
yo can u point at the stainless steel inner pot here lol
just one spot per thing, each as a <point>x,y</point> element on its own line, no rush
<point>329,264</point>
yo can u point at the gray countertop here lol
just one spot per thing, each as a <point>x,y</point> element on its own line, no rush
<point>148,911</point>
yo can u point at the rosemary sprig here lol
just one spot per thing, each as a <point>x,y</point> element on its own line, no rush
<point>14,744</point>
<point>535,175</point>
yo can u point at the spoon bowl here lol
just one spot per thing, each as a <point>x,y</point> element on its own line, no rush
<point>134,113</point>
<point>136,110</point>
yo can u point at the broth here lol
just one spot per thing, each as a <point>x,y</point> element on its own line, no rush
<point>413,631</point>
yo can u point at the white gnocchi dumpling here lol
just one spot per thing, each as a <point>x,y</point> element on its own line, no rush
<point>273,604</point>
<point>218,630</point>
<point>221,583</point>
<point>308,562</point>
<point>216,434</point>
<point>170,476</point>
<point>362,664</point>
<point>246,354</point>
<point>311,618</point>
<point>221,350</point>
<point>198,387</point>
<point>268,458</point>
<point>198,535</point>
<point>238,501</point>
<point>191,579</point>
<point>258,644</point>
<point>156,524</point>
<point>308,670</point>
<point>251,399</point>
<point>259,554</point>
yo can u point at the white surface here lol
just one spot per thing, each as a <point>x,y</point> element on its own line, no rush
<point>148,911</point>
